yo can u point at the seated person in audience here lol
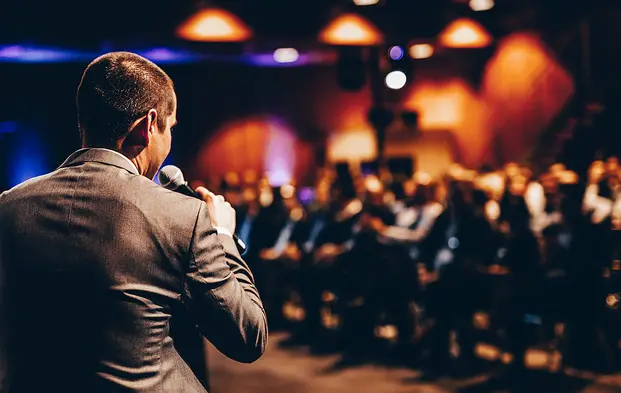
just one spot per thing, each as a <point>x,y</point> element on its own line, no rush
<point>366,270</point>
<point>281,261</point>
<point>393,268</point>
<point>421,212</point>
<point>246,214</point>
<point>331,238</point>
<point>336,238</point>
<point>453,287</point>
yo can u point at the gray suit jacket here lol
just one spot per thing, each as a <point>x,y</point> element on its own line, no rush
<point>95,261</point>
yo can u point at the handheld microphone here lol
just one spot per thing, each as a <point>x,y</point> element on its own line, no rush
<point>171,178</point>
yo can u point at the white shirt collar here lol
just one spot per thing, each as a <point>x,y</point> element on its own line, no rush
<point>109,150</point>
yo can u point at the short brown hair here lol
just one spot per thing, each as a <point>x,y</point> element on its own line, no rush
<point>117,89</point>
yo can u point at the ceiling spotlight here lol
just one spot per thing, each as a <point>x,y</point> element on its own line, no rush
<point>481,5</point>
<point>396,80</point>
<point>421,51</point>
<point>214,25</point>
<point>465,33</point>
<point>286,55</point>
<point>363,3</point>
<point>396,53</point>
<point>351,30</point>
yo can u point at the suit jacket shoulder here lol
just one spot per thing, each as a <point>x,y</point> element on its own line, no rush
<point>95,255</point>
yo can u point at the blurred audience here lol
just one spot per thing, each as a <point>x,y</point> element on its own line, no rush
<point>489,264</point>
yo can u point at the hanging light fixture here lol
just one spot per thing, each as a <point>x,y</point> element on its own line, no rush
<point>465,33</point>
<point>351,30</point>
<point>212,24</point>
<point>481,5</point>
<point>364,3</point>
<point>421,51</point>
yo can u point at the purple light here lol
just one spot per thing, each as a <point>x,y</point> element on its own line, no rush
<point>307,58</point>
<point>267,60</point>
<point>279,177</point>
<point>11,51</point>
<point>306,195</point>
<point>24,54</point>
<point>160,54</point>
<point>280,153</point>
<point>396,53</point>
<point>33,54</point>
<point>165,55</point>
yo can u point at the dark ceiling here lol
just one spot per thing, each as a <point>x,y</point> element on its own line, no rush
<point>90,24</point>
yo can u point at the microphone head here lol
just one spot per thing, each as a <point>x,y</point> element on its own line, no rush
<point>171,177</point>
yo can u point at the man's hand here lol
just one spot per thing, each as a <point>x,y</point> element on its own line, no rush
<point>221,212</point>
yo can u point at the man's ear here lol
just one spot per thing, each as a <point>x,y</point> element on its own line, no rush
<point>141,131</point>
<point>151,120</point>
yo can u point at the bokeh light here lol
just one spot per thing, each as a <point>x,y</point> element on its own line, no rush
<point>396,80</point>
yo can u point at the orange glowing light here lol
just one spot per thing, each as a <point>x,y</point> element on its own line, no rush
<point>522,62</point>
<point>422,178</point>
<point>373,184</point>
<point>351,30</point>
<point>440,105</point>
<point>524,82</point>
<point>214,25</point>
<point>452,105</point>
<point>421,51</point>
<point>465,33</point>
<point>352,145</point>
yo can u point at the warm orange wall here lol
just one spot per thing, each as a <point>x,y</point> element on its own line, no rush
<point>264,144</point>
<point>451,104</point>
<point>523,88</point>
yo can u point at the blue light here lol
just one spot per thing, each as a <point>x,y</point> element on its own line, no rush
<point>33,54</point>
<point>28,157</point>
<point>24,54</point>
<point>267,60</point>
<point>8,127</point>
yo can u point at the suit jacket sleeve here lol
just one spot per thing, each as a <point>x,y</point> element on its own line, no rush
<point>220,291</point>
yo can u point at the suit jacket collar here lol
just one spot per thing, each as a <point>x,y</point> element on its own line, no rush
<point>100,155</point>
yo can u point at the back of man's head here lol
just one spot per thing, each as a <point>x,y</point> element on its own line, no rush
<point>117,89</point>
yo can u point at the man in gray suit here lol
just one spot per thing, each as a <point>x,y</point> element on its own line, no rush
<point>96,258</point>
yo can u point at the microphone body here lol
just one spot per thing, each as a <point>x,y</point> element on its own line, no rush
<point>178,184</point>
<point>185,189</point>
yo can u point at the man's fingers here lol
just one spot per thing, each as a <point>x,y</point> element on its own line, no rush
<point>205,194</point>
<point>208,196</point>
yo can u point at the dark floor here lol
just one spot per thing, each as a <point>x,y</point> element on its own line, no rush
<point>296,371</point>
